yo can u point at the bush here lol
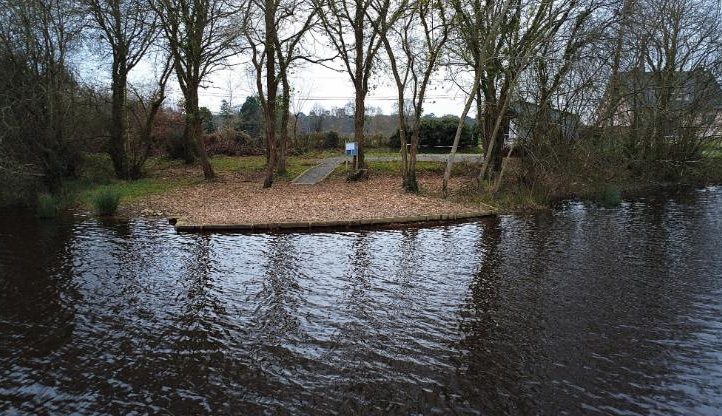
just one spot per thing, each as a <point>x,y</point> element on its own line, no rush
<point>329,140</point>
<point>18,190</point>
<point>175,147</point>
<point>378,140</point>
<point>47,206</point>
<point>439,132</point>
<point>231,142</point>
<point>106,202</point>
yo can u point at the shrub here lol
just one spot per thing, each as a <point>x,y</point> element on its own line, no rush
<point>47,206</point>
<point>378,140</point>
<point>175,147</point>
<point>331,140</point>
<point>439,132</point>
<point>18,190</point>
<point>106,202</point>
<point>231,142</point>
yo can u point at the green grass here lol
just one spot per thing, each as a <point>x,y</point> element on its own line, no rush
<point>85,193</point>
<point>47,206</point>
<point>395,167</point>
<point>106,201</point>
<point>382,152</point>
<point>162,163</point>
<point>295,165</point>
<point>713,149</point>
<point>96,182</point>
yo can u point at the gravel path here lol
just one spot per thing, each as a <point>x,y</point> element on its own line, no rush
<point>320,172</point>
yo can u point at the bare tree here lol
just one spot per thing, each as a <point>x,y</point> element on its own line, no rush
<point>275,45</point>
<point>38,92</point>
<point>548,73</point>
<point>352,28</point>
<point>681,47</point>
<point>663,78</point>
<point>477,26</point>
<point>146,104</point>
<point>201,36</point>
<point>299,98</point>
<point>128,28</point>
<point>499,40</point>
<point>414,44</point>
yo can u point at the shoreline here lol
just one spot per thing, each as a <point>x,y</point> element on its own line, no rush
<point>630,191</point>
<point>235,201</point>
<point>230,205</point>
<point>315,226</point>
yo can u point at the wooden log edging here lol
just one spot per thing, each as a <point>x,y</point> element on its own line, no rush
<point>182,226</point>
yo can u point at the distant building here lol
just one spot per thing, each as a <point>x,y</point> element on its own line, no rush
<point>667,102</point>
<point>524,116</point>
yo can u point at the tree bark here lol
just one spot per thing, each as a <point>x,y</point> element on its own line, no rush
<point>193,131</point>
<point>271,92</point>
<point>361,87</point>
<point>283,143</point>
<point>117,148</point>
<point>457,136</point>
<point>359,114</point>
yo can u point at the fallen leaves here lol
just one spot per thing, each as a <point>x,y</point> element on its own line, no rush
<point>233,201</point>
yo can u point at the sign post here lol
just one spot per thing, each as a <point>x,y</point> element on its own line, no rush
<point>352,150</point>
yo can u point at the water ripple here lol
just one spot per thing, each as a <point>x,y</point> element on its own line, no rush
<point>581,310</point>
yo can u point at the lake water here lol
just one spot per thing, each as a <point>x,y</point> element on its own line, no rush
<point>582,310</point>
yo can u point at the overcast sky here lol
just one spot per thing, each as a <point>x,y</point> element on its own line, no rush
<point>312,84</point>
<point>316,84</point>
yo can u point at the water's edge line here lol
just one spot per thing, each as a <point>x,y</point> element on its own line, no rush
<point>182,226</point>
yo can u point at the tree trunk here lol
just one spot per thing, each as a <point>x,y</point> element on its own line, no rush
<point>410,182</point>
<point>358,124</point>
<point>457,136</point>
<point>271,90</point>
<point>194,131</point>
<point>361,88</point>
<point>402,140</point>
<point>494,155</point>
<point>480,122</point>
<point>117,147</point>
<point>283,145</point>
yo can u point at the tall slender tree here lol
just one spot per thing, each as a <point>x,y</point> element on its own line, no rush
<point>352,29</point>
<point>274,40</point>
<point>414,40</point>
<point>128,27</point>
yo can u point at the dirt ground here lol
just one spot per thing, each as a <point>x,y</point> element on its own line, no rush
<point>235,200</point>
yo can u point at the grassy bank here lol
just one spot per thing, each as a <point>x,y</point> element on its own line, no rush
<point>605,184</point>
<point>163,175</point>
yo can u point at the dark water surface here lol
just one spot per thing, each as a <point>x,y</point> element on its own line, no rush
<point>579,311</point>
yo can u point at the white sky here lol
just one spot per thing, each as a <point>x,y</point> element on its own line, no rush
<point>312,84</point>
<point>316,84</point>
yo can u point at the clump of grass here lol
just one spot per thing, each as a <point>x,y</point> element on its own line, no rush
<point>106,202</point>
<point>47,206</point>
<point>608,196</point>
